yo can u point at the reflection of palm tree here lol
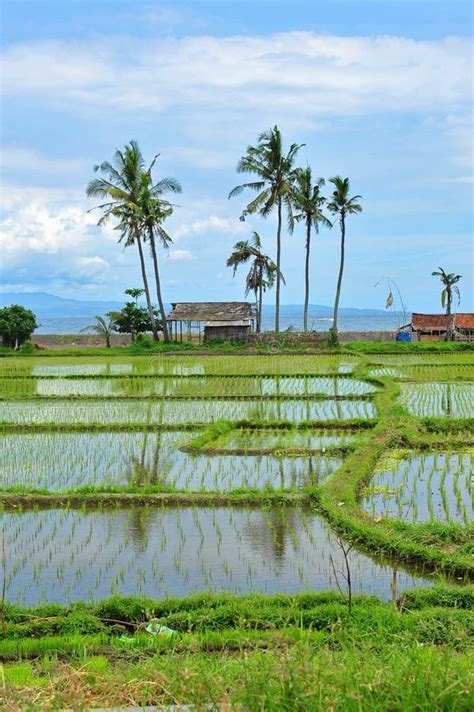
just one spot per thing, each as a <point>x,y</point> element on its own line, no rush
<point>337,401</point>
<point>269,530</point>
<point>447,397</point>
<point>137,525</point>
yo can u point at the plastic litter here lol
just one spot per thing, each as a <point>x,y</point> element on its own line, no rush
<point>156,628</point>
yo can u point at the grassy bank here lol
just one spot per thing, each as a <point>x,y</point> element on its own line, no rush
<point>256,652</point>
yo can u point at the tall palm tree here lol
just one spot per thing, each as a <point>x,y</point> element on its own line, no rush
<point>262,270</point>
<point>121,183</point>
<point>154,209</point>
<point>450,289</point>
<point>103,328</point>
<point>307,203</point>
<point>276,173</point>
<point>342,205</point>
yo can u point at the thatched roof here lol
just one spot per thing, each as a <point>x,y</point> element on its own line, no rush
<point>439,322</point>
<point>212,312</point>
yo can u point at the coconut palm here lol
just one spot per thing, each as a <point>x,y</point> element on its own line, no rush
<point>103,328</point>
<point>450,289</point>
<point>262,270</point>
<point>341,204</point>
<point>121,184</point>
<point>154,209</point>
<point>307,203</point>
<point>275,171</point>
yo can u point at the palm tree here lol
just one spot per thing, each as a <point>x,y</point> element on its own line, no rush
<point>103,328</point>
<point>153,210</point>
<point>276,175</point>
<point>121,183</point>
<point>307,203</point>
<point>342,205</point>
<point>449,281</point>
<point>262,271</point>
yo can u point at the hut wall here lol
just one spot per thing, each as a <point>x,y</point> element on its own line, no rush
<point>226,333</point>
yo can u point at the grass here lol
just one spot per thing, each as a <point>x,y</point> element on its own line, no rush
<point>251,652</point>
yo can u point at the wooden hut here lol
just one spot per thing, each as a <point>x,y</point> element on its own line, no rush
<point>229,321</point>
<point>434,327</point>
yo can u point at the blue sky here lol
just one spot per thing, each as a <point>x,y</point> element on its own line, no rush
<point>378,91</point>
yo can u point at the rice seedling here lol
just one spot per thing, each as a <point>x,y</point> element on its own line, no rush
<point>423,487</point>
<point>183,365</point>
<point>185,387</point>
<point>179,411</point>
<point>218,549</point>
<point>450,400</point>
<point>70,461</point>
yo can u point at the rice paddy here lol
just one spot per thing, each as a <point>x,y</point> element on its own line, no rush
<point>447,400</point>
<point>172,413</point>
<point>58,462</point>
<point>215,425</point>
<point>423,487</point>
<point>186,387</point>
<point>64,555</point>
<point>183,365</point>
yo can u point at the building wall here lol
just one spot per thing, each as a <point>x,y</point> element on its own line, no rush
<point>226,333</point>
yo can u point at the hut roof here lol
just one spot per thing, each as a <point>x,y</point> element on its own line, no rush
<point>429,322</point>
<point>212,312</point>
<point>439,322</point>
<point>464,321</point>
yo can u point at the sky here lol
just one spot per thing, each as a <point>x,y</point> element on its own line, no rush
<point>377,91</point>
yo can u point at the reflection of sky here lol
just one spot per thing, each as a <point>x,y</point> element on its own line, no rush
<point>59,461</point>
<point>425,487</point>
<point>188,411</point>
<point>235,386</point>
<point>439,399</point>
<point>182,366</point>
<point>60,555</point>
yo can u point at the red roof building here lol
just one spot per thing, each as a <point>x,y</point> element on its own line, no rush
<point>432,327</point>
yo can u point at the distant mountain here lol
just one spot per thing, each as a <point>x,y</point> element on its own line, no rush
<point>46,305</point>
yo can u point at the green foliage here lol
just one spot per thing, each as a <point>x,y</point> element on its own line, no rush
<point>16,325</point>
<point>133,320</point>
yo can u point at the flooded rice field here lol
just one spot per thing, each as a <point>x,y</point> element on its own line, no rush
<point>447,400</point>
<point>178,366</point>
<point>118,424</point>
<point>165,412</point>
<point>423,487</point>
<point>64,461</point>
<point>194,387</point>
<point>65,555</point>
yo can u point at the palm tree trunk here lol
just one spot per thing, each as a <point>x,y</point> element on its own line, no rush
<point>306,275</point>
<point>260,302</point>
<point>339,279</point>
<point>147,290</point>
<point>278,261</point>
<point>450,319</point>
<point>164,325</point>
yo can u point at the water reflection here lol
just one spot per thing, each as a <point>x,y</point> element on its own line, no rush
<point>62,555</point>
<point>61,461</point>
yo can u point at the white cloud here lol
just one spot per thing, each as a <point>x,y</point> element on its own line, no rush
<point>212,223</point>
<point>38,228</point>
<point>176,255</point>
<point>293,73</point>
